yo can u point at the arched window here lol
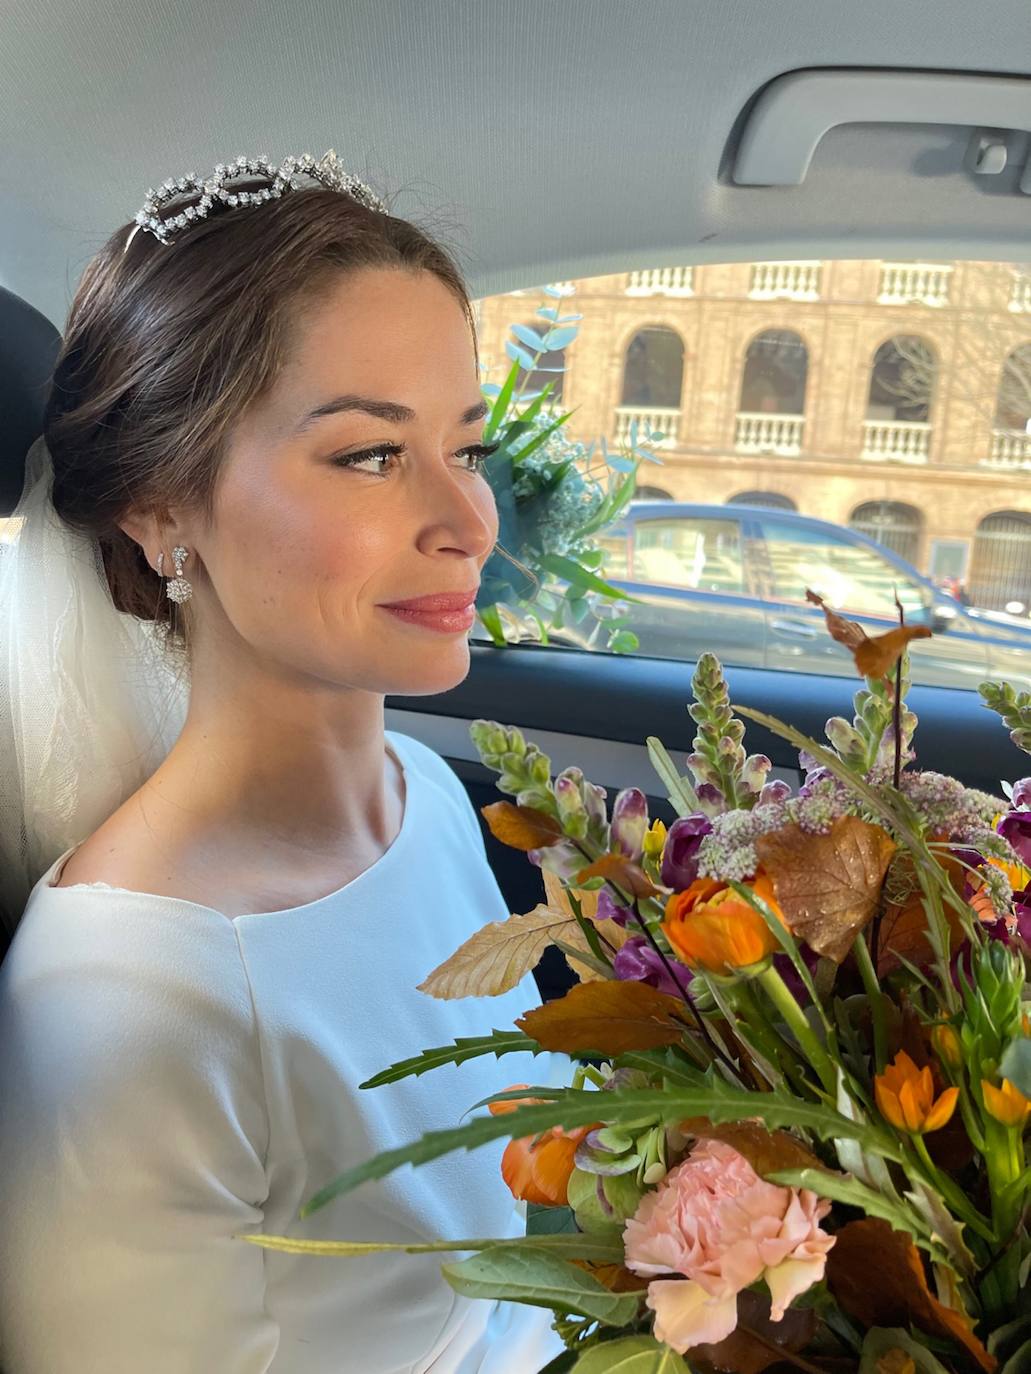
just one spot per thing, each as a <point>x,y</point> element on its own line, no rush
<point>774,375</point>
<point>772,499</point>
<point>893,524</point>
<point>653,369</point>
<point>1000,568</point>
<point>550,365</point>
<point>902,381</point>
<point>1013,402</point>
<point>646,493</point>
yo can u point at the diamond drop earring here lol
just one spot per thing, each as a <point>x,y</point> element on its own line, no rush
<point>177,588</point>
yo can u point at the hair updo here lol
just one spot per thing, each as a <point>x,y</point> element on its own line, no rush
<point>167,346</point>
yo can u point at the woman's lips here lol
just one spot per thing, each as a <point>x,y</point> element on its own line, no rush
<point>447,622</point>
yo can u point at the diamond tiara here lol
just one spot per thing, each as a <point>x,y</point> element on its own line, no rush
<point>214,191</point>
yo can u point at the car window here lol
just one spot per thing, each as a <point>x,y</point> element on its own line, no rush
<point>887,398</point>
<point>848,576</point>
<point>704,555</point>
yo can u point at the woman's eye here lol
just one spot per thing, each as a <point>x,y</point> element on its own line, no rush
<point>479,453</point>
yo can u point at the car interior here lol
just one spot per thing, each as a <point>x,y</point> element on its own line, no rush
<point>651,159</point>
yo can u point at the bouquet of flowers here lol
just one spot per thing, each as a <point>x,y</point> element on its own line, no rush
<point>552,499</point>
<point>800,1055</point>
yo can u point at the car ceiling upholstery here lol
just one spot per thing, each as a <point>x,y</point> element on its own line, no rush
<point>541,140</point>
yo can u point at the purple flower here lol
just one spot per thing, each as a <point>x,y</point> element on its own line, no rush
<point>630,823</point>
<point>1022,911</point>
<point>1016,827</point>
<point>637,962</point>
<point>776,791</point>
<point>792,979</point>
<point>610,910</point>
<point>680,852</point>
<point>1022,793</point>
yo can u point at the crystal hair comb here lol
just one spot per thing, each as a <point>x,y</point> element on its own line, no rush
<point>214,190</point>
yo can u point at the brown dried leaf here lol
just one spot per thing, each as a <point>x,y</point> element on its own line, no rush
<point>615,1277</point>
<point>499,955</point>
<point>876,1274</point>
<point>610,932</point>
<point>879,654</point>
<point>617,868</point>
<point>757,1341</point>
<point>828,886</point>
<point>875,656</point>
<point>522,827</point>
<point>608,1017</point>
<point>903,928</point>
<point>766,1151</point>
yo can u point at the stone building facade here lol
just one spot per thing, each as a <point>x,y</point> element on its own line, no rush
<point>895,397</point>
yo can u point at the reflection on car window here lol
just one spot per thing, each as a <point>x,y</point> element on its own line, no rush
<point>704,555</point>
<point>848,576</point>
<point>891,400</point>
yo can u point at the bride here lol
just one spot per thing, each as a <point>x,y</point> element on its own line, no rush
<point>256,509</point>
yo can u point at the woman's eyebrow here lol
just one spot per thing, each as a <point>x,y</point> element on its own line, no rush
<point>383,410</point>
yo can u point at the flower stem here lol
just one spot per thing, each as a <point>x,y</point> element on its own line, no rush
<point>875,998</point>
<point>777,991</point>
<point>957,1200</point>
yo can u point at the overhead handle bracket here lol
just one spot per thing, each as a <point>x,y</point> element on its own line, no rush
<point>793,113</point>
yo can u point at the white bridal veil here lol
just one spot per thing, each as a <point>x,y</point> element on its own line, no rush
<point>90,699</point>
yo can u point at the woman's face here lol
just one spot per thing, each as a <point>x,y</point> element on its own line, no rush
<point>305,553</point>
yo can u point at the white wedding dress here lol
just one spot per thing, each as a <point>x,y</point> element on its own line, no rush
<point>170,1076</point>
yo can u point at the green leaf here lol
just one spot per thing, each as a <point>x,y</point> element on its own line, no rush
<point>570,1107</point>
<point>880,1339</point>
<point>571,571</point>
<point>634,1355</point>
<point>535,1276</point>
<point>845,1188</point>
<point>600,1249</point>
<point>550,1221</point>
<point>491,619</point>
<point>1016,1064</point>
<point>501,403</point>
<point>499,1042</point>
<point>680,794</point>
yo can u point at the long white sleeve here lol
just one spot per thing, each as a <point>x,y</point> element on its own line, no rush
<point>133,1132</point>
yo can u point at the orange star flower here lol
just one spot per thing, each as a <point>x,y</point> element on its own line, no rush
<point>905,1097</point>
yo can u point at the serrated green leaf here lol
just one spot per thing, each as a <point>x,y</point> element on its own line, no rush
<point>498,1042</point>
<point>534,1275</point>
<point>572,1107</point>
<point>845,1188</point>
<point>632,1355</point>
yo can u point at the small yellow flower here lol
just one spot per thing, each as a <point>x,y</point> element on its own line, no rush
<point>905,1097</point>
<point>655,839</point>
<point>947,1046</point>
<point>1006,1104</point>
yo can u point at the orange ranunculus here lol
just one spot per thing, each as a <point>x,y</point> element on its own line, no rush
<point>539,1172</point>
<point>1006,1104</point>
<point>713,929</point>
<point>905,1097</point>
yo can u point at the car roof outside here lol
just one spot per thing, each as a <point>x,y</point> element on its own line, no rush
<point>648,510</point>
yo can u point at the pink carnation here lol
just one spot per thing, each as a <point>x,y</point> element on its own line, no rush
<point>716,1222</point>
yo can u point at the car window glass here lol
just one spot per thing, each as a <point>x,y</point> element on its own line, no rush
<point>848,576</point>
<point>886,399</point>
<point>704,555</point>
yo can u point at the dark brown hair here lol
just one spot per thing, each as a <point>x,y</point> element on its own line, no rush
<point>167,346</point>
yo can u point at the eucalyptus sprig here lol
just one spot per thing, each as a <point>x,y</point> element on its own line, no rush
<point>551,504</point>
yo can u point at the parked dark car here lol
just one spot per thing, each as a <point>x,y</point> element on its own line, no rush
<point>733,578</point>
